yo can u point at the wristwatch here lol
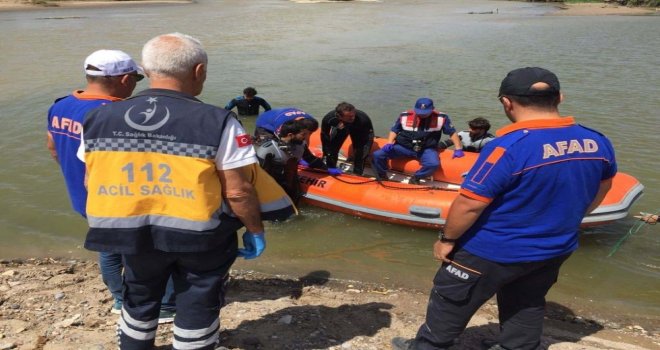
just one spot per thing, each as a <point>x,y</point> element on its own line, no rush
<point>445,239</point>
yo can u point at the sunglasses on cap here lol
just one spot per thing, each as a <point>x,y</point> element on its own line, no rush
<point>136,76</point>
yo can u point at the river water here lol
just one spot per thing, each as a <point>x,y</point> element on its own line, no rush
<point>380,56</point>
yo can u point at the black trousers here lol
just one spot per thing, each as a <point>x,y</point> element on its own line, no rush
<point>461,287</point>
<point>199,283</point>
<point>332,143</point>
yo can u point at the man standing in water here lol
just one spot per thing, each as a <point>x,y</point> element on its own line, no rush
<point>111,76</point>
<point>248,104</point>
<point>517,218</point>
<point>159,167</point>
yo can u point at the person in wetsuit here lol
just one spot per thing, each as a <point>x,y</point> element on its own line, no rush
<point>248,104</point>
<point>345,120</point>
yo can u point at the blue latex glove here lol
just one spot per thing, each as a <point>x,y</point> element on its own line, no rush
<point>335,171</point>
<point>387,147</point>
<point>253,245</point>
<point>303,163</point>
<point>458,153</point>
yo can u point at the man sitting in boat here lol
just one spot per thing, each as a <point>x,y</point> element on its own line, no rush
<point>345,120</point>
<point>475,138</point>
<point>416,133</point>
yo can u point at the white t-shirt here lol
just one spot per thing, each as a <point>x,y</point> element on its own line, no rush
<point>235,148</point>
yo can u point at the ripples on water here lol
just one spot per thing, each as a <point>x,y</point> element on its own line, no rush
<point>380,56</point>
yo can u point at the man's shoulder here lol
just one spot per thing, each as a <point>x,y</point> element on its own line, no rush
<point>362,115</point>
<point>587,129</point>
<point>72,107</point>
<point>74,99</point>
<point>61,102</point>
<point>508,140</point>
<point>329,115</point>
<point>63,99</point>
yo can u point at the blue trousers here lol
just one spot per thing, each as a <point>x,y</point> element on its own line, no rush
<point>428,159</point>
<point>461,287</point>
<point>199,282</point>
<point>111,272</point>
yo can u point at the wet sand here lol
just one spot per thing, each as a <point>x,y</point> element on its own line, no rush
<point>602,9</point>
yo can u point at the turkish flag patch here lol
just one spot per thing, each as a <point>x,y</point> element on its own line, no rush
<point>243,140</point>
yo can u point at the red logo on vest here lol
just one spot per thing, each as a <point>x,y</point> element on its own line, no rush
<point>243,140</point>
<point>414,121</point>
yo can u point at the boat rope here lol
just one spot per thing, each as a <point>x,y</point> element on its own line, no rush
<point>385,184</point>
<point>633,229</point>
<point>419,188</point>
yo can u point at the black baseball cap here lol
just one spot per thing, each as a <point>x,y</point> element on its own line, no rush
<point>519,82</point>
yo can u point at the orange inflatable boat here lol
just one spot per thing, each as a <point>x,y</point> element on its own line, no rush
<point>425,205</point>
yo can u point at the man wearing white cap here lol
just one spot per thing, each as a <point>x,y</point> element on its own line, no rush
<point>111,76</point>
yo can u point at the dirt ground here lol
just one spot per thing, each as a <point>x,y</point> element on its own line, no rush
<point>62,304</point>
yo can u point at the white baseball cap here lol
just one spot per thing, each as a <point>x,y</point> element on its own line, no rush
<point>104,63</point>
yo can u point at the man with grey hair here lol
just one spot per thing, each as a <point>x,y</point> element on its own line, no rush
<point>160,165</point>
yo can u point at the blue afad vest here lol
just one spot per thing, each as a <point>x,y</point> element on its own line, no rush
<point>65,119</point>
<point>539,177</point>
<point>274,118</point>
<point>153,182</point>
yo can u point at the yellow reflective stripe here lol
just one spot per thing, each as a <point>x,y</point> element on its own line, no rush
<point>157,220</point>
<point>151,184</point>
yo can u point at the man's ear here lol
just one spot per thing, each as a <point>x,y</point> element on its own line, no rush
<point>125,79</point>
<point>200,71</point>
<point>506,102</point>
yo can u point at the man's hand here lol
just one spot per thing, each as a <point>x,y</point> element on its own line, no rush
<point>442,249</point>
<point>458,153</point>
<point>648,218</point>
<point>253,245</point>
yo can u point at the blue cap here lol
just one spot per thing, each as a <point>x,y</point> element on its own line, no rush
<point>424,106</point>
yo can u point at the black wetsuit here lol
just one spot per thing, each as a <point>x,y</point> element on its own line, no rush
<point>247,107</point>
<point>361,132</point>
